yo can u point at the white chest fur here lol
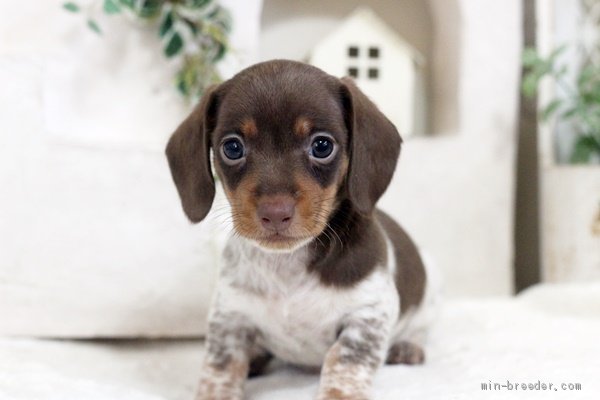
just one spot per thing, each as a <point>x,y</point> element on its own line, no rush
<point>298,316</point>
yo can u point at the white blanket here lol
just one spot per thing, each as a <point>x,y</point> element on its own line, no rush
<point>548,335</point>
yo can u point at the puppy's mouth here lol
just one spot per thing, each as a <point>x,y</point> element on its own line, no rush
<point>278,237</point>
<point>281,241</point>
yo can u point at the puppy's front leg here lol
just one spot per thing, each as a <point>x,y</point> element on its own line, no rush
<point>352,361</point>
<point>228,346</point>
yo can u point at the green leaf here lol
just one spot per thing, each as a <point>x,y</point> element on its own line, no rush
<point>127,3</point>
<point>150,8</point>
<point>111,7</point>
<point>72,7</point>
<point>529,84</point>
<point>551,108</point>
<point>94,26</point>
<point>181,82</point>
<point>530,57</point>
<point>569,113</point>
<point>221,50</point>
<point>543,68</point>
<point>192,26</point>
<point>182,87</point>
<point>585,146</point>
<point>166,24</point>
<point>585,77</point>
<point>174,45</point>
<point>198,3</point>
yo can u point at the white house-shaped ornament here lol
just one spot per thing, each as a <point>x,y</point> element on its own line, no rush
<point>385,67</point>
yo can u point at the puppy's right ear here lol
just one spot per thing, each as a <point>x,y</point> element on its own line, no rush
<point>188,152</point>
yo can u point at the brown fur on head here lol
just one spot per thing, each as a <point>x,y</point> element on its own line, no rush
<point>269,117</point>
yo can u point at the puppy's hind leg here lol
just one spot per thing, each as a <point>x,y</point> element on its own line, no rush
<point>411,332</point>
<point>406,346</point>
<point>405,352</point>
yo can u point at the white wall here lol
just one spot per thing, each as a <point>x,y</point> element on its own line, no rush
<point>455,192</point>
<point>290,19</point>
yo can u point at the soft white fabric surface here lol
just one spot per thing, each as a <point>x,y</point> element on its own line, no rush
<point>549,333</point>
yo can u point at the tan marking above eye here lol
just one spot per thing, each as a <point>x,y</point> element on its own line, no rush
<point>302,127</point>
<point>249,128</point>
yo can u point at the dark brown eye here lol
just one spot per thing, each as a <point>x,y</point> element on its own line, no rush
<point>233,149</point>
<point>321,147</point>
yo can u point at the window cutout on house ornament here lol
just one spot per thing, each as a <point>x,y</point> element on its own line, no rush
<point>373,73</point>
<point>373,52</point>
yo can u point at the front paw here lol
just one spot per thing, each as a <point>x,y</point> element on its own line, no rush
<point>219,388</point>
<point>213,392</point>
<point>222,382</point>
<point>339,394</point>
<point>211,397</point>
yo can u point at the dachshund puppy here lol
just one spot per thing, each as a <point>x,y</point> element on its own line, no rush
<point>315,275</point>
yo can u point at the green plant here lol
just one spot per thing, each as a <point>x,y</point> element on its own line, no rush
<point>196,32</point>
<point>580,106</point>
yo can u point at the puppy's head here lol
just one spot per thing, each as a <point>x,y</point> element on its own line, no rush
<point>290,142</point>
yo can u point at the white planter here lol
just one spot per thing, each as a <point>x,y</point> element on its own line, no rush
<point>570,223</point>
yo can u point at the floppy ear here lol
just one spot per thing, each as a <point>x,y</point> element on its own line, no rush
<point>188,152</point>
<point>374,148</point>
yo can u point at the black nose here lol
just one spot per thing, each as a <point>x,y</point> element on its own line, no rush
<point>276,213</point>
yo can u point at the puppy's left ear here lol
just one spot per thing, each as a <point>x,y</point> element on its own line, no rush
<point>374,148</point>
<point>188,153</point>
